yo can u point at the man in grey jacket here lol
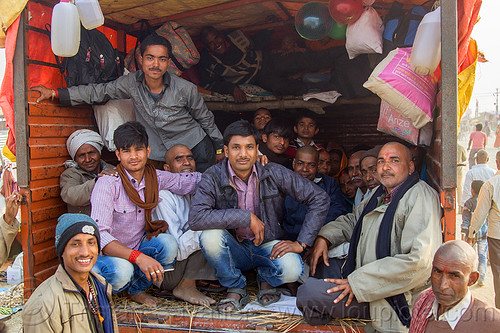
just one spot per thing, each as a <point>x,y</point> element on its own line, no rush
<point>240,206</point>
<point>393,236</point>
<point>170,108</point>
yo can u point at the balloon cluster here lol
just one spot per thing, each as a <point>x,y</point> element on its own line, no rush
<point>316,20</point>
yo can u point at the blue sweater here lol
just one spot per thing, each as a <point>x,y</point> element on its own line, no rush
<point>295,212</point>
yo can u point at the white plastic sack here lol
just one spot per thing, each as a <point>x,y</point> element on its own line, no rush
<point>365,35</point>
<point>111,115</point>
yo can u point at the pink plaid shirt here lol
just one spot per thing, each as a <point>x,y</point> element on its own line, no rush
<point>118,218</point>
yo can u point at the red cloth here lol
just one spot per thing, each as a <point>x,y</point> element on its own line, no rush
<point>478,139</point>
<point>467,13</point>
<point>421,311</point>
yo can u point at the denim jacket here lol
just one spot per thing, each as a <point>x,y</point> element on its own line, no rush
<point>215,203</point>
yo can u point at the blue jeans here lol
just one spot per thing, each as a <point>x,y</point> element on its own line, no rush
<point>230,257</point>
<point>123,275</point>
<point>482,252</point>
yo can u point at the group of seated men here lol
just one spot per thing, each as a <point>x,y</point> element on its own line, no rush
<point>174,226</point>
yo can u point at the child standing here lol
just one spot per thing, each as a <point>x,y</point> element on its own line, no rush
<point>482,243</point>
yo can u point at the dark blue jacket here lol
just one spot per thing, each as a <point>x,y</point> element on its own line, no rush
<point>215,203</point>
<point>296,212</point>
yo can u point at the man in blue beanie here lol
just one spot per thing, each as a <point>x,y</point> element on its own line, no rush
<point>74,299</point>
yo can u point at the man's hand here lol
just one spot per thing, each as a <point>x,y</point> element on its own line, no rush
<point>219,157</point>
<point>470,240</point>
<point>263,159</point>
<point>12,203</point>
<point>45,93</point>
<point>257,227</point>
<point>320,249</point>
<point>342,284</point>
<point>239,95</point>
<point>108,172</point>
<point>285,246</point>
<point>150,267</point>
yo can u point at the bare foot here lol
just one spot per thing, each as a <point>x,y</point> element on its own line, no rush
<point>144,299</point>
<point>186,290</point>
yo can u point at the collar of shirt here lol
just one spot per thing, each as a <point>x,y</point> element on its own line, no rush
<point>389,195</point>
<point>133,181</point>
<point>317,179</point>
<point>302,144</point>
<point>237,180</point>
<point>453,315</point>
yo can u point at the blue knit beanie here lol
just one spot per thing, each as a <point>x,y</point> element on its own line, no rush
<point>69,225</point>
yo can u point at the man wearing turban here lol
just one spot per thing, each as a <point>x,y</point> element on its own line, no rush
<point>78,180</point>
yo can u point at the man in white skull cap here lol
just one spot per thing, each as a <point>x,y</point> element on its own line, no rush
<point>78,180</point>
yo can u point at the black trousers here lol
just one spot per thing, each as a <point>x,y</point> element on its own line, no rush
<point>318,308</point>
<point>204,154</point>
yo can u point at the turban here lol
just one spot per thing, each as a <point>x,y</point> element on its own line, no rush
<point>81,137</point>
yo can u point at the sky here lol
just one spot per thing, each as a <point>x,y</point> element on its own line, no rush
<point>487,74</point>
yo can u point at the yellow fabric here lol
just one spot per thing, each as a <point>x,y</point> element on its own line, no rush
<point>466,80</point>
<point>7,153</point>
<point>9,11</point>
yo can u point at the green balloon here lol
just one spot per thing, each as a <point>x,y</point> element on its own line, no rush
<point>337,31</point>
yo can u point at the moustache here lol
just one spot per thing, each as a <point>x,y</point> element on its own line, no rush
<point>356,178</point>
<point>387,174</point>
<point>154,69</point>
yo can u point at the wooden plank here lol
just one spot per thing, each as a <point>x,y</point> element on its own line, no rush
<point>41,120</point>
<point>49,161</point>
<point>45,131</point>
<point>51,171</point>
<point>45,109</point>
<point>46,151</point>
<point>47,141</point>
<point>43,272</point>
<point>46,192</point>
<point>48,213</point>
<point>45,255</point>
<point>46,203</point>
<point>41,235</point>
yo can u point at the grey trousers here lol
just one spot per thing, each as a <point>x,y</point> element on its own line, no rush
<point>195,267</point>
<point>494,252</point>
<point>318,308</point>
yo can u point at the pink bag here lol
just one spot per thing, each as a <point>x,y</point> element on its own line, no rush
<point>412,95</point>
<point>184,52</point>
<point>393,123</point>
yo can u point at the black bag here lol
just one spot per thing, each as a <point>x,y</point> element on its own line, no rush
<point>96,61</point>
<point>401,26</point>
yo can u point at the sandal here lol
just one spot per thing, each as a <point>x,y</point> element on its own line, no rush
<point>237,304</point>
<point>210,286</point>
<point>271,292</point>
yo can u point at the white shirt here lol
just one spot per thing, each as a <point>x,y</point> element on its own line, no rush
<point>477,172</point>
<point>453,315</point>
<point>360,197</point>
<point>174,209</point>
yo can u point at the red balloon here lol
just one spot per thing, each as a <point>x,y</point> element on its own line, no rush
<point>346,11</point>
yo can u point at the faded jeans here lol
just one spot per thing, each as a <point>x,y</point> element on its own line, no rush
<point>123,275</point>
<point>230,257</point>
<point>482,252</point>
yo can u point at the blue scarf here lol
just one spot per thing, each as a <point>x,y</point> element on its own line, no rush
<point>383,247</point>
<point>104,306</point>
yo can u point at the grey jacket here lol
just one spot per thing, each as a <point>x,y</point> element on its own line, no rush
<point>76,187</point>
<point>179,116</point>
<point>416,235</point>
<point>215,203</point>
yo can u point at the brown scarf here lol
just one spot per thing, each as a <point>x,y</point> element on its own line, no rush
<point>151,195</point>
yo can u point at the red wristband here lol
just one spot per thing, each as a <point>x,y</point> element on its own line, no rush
<point>133,256</point>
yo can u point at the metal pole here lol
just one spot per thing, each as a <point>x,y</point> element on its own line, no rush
<point>449,103</point>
